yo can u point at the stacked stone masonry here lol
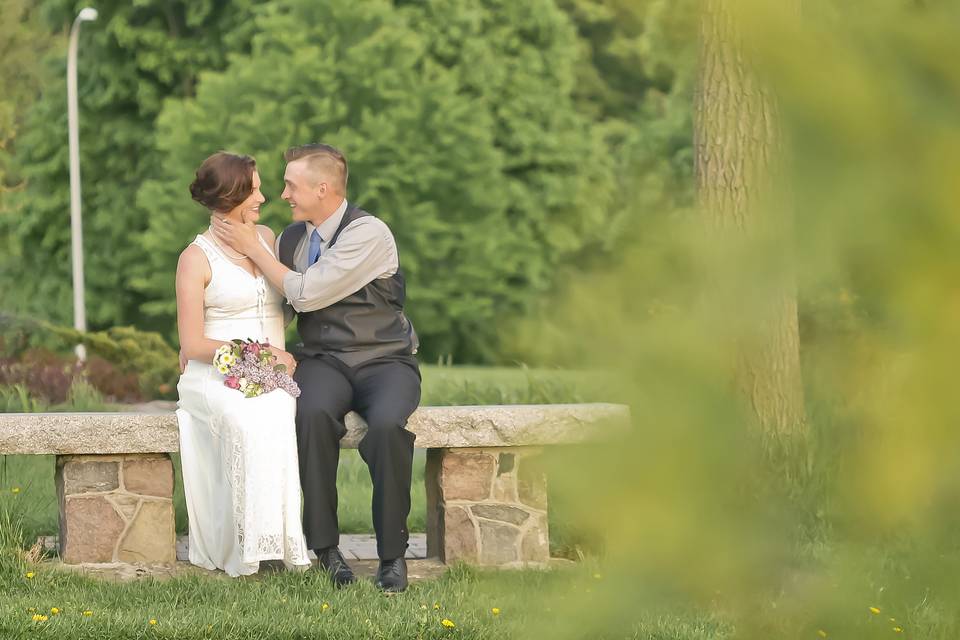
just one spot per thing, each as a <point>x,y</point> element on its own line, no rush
<point>486,489</point>
<point>116,508</point>
<point>487,506</point>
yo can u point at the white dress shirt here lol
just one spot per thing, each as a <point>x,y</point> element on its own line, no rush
<point>364,252</point>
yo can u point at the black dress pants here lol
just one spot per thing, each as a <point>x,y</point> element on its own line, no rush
<point>384,391</point>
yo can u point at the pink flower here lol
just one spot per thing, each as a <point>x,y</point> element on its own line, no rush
<point>252,373</point>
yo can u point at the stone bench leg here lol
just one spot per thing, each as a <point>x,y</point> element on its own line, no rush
<point>116,508</point>
<point>487,506</point>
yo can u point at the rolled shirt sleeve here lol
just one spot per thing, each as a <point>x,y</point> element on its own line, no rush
<point>365,251</point>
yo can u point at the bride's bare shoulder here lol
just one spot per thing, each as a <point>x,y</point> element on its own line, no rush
<point>193,259</point>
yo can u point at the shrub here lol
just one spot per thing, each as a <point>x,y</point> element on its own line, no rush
<point>142,354</point>
<point>43,373</point>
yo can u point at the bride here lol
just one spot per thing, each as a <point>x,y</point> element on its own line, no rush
<point>239,454</point>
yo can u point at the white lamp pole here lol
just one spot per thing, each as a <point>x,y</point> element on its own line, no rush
<point>76,227</point>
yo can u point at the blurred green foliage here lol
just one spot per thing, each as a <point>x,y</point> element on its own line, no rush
<point>499,140</point>
<point>853,534</point>
<point>23,43</point>
<point>132,58</point>
<point>17,399</point>
<point>483,168</point>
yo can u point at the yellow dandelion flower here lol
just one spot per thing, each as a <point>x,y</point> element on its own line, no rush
<point>874,610</point>
<point>446,622</point>
<point>15,490</point>
<point>897,630</point>
<point>324,606</point>
<point>29,575</point>
<point>436,606</point>
<point>495,611</point>
<point>821,633</point>
<point>88,613</point>
<point>54,610</point>
<point>153,621</point>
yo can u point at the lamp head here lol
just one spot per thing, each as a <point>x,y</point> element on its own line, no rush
<point>87,14</point>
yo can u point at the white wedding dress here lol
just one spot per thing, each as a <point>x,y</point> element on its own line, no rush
<point>239,455</point>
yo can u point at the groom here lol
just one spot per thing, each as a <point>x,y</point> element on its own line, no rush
<point>339,269</point>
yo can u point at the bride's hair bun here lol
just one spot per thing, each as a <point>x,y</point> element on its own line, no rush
<point>224,180</point>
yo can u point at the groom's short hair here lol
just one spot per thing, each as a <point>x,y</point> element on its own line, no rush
<point>322,159</point>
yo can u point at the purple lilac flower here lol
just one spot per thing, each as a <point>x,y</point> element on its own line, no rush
<point>258,370</point>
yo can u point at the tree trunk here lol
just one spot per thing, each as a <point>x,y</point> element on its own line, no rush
<point>738,154</point>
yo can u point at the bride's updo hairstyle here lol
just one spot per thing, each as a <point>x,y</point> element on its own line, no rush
<point>224,180</point>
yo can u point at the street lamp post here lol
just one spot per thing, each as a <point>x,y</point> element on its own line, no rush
<point>76,226</point>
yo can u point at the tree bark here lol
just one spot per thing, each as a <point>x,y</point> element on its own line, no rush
<point>738,161</point>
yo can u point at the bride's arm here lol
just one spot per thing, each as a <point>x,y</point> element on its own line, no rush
<point>193,275</point>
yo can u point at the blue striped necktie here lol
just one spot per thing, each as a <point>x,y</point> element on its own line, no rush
<point>314,247</point>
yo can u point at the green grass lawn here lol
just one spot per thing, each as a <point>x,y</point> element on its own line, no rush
<point>513,385</point>
<point>291,605</point>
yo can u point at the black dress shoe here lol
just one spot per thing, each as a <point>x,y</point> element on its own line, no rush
<point>392,575</point>
<point>331,561</point>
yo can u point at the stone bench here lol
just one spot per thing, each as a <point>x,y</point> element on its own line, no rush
<point>486,491</point>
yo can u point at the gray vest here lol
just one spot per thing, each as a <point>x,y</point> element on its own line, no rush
<point>365,325</point>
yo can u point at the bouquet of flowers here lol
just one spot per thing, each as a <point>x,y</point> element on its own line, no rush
<point>249,367</point>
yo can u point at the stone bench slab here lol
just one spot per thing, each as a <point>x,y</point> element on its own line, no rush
<point>435,427</point>
<point>485,484</point>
